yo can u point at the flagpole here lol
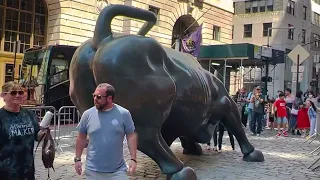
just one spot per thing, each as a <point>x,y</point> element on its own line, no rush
<point>191,25</point>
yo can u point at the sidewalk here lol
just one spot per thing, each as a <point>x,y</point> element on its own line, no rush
<point>285,158</point>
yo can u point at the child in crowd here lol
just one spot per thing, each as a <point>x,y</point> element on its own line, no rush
<point>267,115</point>
<point>270,114</point>
<point>280,107</point>
<point>303,123</point>
<point>312,113</point>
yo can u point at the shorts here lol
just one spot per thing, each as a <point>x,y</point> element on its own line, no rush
<point>271,119</point>
<point>282,120</point>
<point>93,175</point>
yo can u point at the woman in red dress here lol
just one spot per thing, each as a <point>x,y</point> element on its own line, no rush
<point>303,122</point>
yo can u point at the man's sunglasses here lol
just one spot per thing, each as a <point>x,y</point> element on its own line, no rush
<point>98,96</point>
<point>14,93</point>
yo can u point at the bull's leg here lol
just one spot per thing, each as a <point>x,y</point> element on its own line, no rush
<point>203,135</point>
<point>158,150</point>
<point>232,122</point>
<point>190,146</point>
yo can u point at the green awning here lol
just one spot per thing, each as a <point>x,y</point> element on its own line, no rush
<point>228,51</point>
<point>236,52</point>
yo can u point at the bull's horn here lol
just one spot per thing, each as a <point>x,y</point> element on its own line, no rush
<point>103,25</point>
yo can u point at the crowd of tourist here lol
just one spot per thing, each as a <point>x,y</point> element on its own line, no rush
<point>287,113</point>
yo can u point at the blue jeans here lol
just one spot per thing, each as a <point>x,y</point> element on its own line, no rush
<point>313,122</point>
<point>264,121</point>
<point>249,117</point>
<point>293,122</point>
<point>256,126</point>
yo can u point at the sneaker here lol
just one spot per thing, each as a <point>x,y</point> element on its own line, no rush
<point>285,134</point>
<point>208,147</point>
<point>258,135</point>
<point>251,133</point>
<point>215,148</point>
<point>278,134</point>
<point>219,150</point>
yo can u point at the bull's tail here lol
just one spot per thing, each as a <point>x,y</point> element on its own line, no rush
<point>103,25</point>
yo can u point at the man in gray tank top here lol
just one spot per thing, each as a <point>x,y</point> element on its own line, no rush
<point>106,124</point>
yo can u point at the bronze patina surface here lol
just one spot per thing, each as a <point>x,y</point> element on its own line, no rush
<point>168,93</point>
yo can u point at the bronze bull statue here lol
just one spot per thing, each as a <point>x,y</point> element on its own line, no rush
<point>168,93</point>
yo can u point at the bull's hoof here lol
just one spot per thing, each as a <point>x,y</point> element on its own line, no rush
<point>255,156</point>
<point>195,149</point>
<point>187,173</point>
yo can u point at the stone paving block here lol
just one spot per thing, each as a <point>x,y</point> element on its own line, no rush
<point>285,158</point>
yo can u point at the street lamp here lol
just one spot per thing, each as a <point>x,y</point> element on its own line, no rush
<point>267,59</point>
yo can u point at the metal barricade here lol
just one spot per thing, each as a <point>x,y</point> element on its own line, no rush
<point>40,111</point>
<point>68,119</point>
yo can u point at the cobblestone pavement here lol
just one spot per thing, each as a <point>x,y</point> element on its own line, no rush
<point>285,158</point>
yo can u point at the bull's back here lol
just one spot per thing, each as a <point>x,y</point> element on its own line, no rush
<point>195,88</point>
<point>192,81</point>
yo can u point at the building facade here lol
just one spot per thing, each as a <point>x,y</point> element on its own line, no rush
<point>71,22</point>
<point>315,45</point>
<point>251,22</point>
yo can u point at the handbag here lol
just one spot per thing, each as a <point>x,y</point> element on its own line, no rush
<point>294,111</point>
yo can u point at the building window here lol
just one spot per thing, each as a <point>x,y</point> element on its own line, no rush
<point>316,19</point>
<point>290,32</point>
<point>1,23</point>
<point>290,7</point>
<point>316,39</point>
<point>255,6</point>
<point>262,6</point>
<point>258,6</point>
<point>303,36</point>
<point>247,31</point>
<point>265,29</point>
<point>8,74</point>
<point>304,13</point>
<point>247,7</point>
<point>156,11</point>
<point>25,20</point>
<point>216,33</point>
<point>270,5</point>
